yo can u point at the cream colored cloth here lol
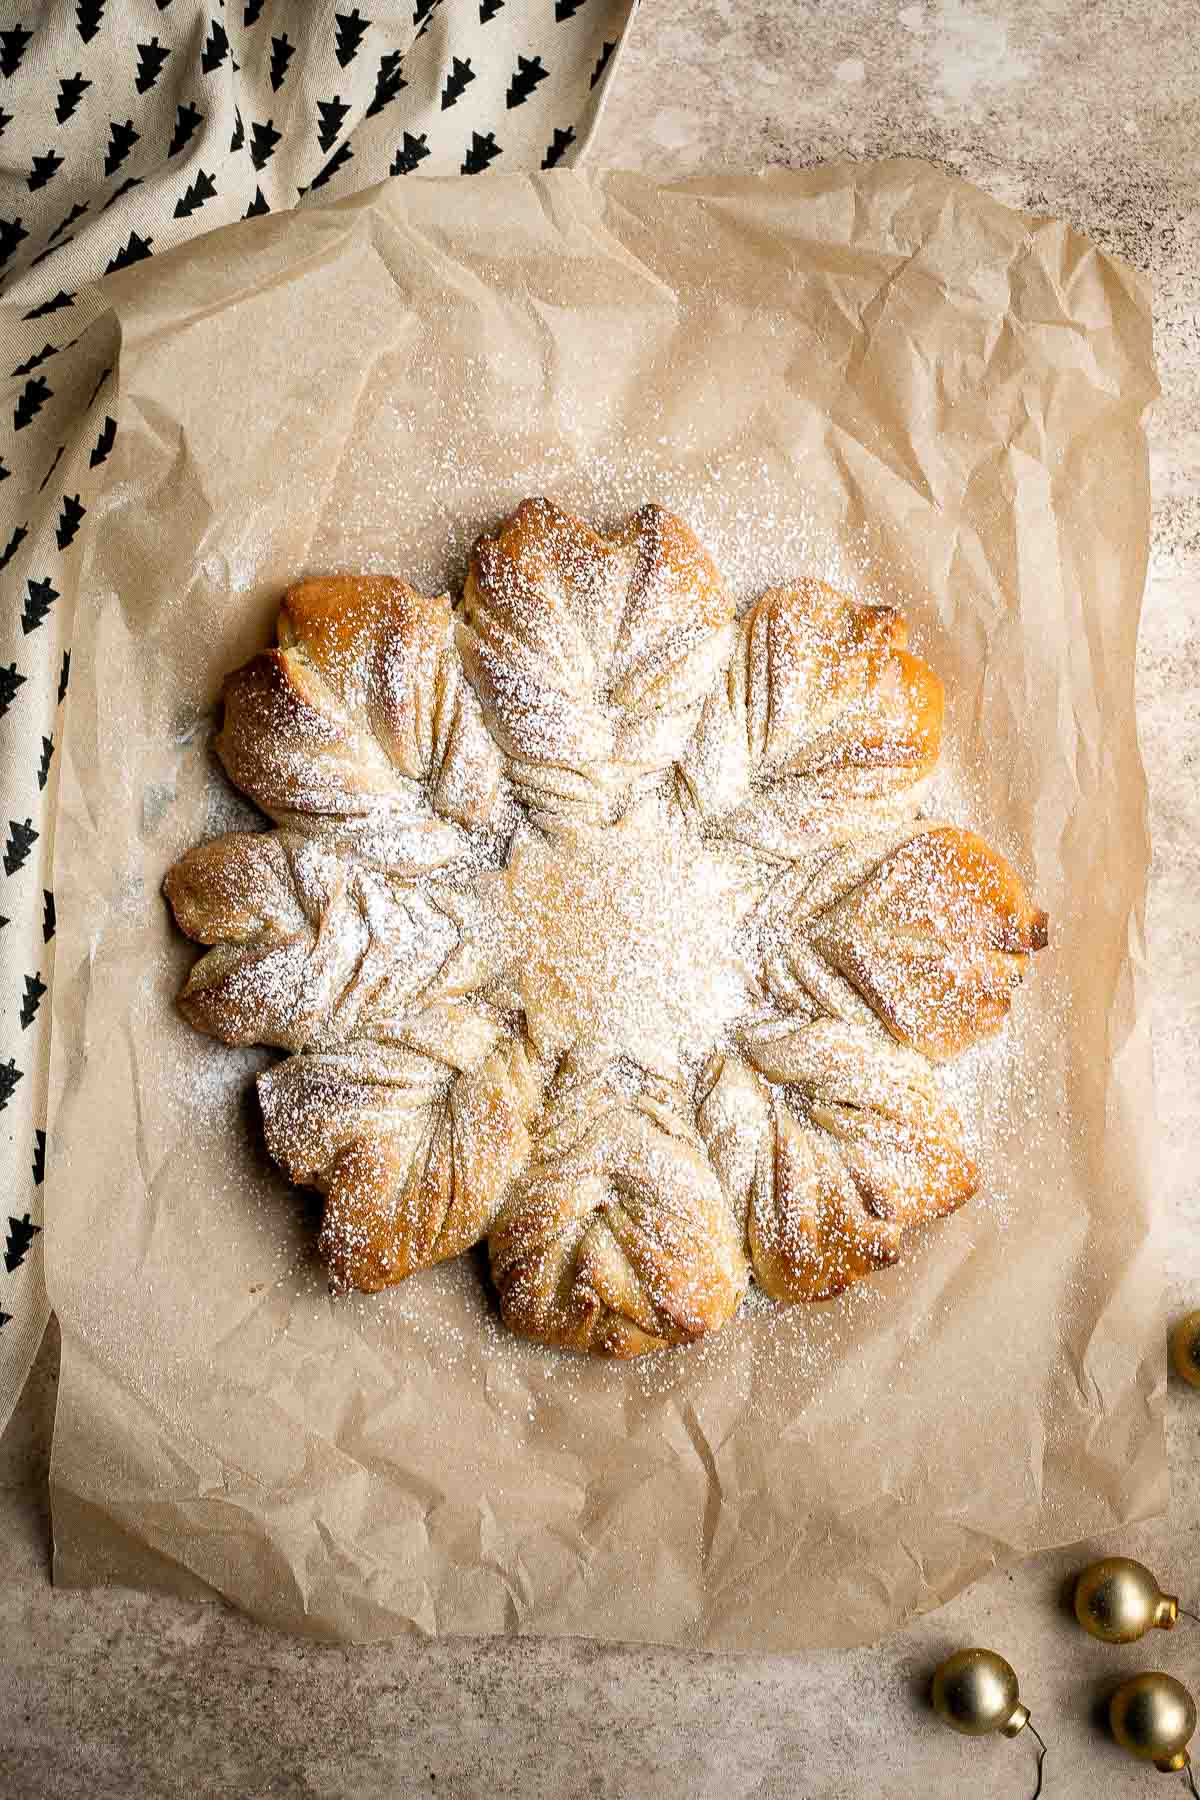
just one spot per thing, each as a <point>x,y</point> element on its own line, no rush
<point>127,126</point>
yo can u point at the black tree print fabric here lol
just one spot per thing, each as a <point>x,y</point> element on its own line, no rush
<point>127,126</point>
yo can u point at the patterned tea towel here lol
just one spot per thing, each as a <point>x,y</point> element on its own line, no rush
<point>127,126</point>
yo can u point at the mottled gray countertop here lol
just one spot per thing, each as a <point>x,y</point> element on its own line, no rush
<point>1083,108</point>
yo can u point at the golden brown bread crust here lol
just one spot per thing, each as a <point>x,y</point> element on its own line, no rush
<point>348,628</point>
<point>233,889</point>
<point>936,936</point>
<point>310,948</point>
<point>361,717</point>
<point>388,1215</point>
<point>832,1147</point>
<point>592,656</point>
<point>617,1239</point>
<point>244,894</point>
<point>922,927</point>
<point>594,685</point>
<point>824,724</point>
<point>412,1151</point>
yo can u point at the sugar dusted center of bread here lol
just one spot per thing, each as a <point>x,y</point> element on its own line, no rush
<point>629,939</point>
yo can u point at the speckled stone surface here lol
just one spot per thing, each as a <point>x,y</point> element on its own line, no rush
<point>1083,108</point>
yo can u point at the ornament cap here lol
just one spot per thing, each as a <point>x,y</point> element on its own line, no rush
<point>1166,1613</point>
<point>1185,1348</point>
<point>1018,1721</point>
<point>1171,1765</point>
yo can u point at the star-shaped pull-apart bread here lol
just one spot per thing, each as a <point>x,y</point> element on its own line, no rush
<point>601,923</point>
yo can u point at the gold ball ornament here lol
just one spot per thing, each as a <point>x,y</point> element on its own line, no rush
<point>975,1692</point>
<point>1185,1349</point>
<point>1153,1716</point>
<point>1118,1601</point>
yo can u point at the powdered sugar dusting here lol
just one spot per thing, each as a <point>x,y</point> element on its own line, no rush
<point>630,940</point>
<point>621,929</point>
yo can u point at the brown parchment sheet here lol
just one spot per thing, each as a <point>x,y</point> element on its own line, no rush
<point>872,373</point>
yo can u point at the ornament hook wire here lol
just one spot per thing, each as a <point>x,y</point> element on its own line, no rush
<point>1189,1771</point>
<point>1196,1617</point>
<point>1041,1759</point>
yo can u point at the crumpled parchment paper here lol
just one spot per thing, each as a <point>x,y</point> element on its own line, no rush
<point>871,373</point>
